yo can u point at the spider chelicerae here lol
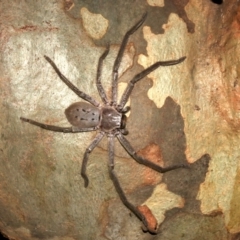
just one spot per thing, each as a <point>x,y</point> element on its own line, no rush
<point>108,118</point>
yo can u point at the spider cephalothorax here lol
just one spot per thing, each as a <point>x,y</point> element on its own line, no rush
<point>108,118</point>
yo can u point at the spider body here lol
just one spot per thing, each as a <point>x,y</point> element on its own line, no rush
<point>108,119</point>
<point>84,115</point>
<point>111,119</point>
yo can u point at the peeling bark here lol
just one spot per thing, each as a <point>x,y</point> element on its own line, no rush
<point>188,113</point>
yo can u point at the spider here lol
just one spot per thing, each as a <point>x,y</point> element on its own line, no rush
<point>108,118</point>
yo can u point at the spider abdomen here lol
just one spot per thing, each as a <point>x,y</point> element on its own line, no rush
<point>111,119</point>
<point>83,115</point>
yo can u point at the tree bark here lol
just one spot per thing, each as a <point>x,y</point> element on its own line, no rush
<point>186,113</point>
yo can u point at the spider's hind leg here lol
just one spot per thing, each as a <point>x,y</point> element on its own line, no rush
<point>56,128</point>
<point>81,94</point>
<point>89,149</point>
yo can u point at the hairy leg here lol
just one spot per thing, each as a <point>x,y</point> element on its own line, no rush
<point>117,185</point>
<point>124,142</point>
<point>56,128</point>
<point>81,94</point>
<point>120,55</point>
<point>101,91</point>
<point>89,149</point>
<point>143,74</point>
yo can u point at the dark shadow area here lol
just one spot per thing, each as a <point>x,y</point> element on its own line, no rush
<point>217,1</point>
<point>2,237</point>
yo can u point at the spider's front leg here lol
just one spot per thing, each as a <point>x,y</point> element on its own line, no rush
<point>143,74</point>
<point>120,55</point>
<point>125,143</point>
<point>101,91</point>
<point>118,187</point>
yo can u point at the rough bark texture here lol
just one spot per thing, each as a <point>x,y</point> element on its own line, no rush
<point>184,113</point>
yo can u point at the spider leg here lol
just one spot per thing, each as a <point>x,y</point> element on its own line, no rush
<point>99,72</point>
<point>56,128</point>
<point>143,74</point>
<point>89,149</point>
<point>120,55</point>
<point>81,94</point>
<point>124,142</point>
<point>116,183</point>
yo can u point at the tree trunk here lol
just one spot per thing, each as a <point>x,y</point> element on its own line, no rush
<point>183,114</point>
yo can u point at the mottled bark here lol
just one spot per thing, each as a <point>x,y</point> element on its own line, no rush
<point>187,113</point>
